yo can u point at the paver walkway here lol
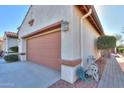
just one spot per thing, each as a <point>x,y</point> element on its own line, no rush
<point>77,84</point>
<point>113,76</point>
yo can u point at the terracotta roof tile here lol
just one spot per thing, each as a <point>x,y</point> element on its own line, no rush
<point>1,40</point>
<point>11,34</point>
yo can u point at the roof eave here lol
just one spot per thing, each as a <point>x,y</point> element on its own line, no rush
<point>23,20</point>
<point>93,18</point>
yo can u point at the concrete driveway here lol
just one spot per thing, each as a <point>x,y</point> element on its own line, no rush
<point>26,75</point>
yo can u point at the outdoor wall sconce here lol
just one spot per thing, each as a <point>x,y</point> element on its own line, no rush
<point>64,26</point>
<point>31,22</point>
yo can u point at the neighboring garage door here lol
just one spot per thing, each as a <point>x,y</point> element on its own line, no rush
<point>45,50</point>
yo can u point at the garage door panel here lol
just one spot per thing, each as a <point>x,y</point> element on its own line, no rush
<point>45,50</point>
<point>47,44</point>
<point>42,53</point>
<point>52,63</point>
<point>47,61</point>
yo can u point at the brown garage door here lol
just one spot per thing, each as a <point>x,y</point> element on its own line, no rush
<point>45,50</point>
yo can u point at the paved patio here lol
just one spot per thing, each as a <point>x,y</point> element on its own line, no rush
<point>113,75</point>
<point>26,75</point>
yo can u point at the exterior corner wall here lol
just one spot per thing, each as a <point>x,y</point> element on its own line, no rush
<point>72,40</point>
<point>76,33</point>
<point>67,43</point>
<point>69,73</point>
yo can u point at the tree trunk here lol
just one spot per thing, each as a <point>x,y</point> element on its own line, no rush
<point>106,53</point>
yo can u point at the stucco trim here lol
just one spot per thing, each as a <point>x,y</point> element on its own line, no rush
<point>45,33</point>
<point>44,29</point>
<point>71,63</point>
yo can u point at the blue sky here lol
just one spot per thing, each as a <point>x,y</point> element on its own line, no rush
<point>11,17</point>
<point>112,18</point>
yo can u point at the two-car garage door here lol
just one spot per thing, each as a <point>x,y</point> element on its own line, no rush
<point>45,50</point>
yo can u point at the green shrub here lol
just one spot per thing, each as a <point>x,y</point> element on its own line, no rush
<point>120,50</point>
<point>106,42</point>
<point>11,58</point>
<point>14,49</point>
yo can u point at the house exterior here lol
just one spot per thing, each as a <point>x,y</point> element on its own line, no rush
<point>57,37</point>
<point>1,44</point>
<point>10,39</point>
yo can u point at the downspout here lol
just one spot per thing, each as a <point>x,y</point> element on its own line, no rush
<point>81,25</point>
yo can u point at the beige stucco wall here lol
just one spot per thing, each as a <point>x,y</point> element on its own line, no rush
<point>89,42</point>
<point>84,38</point>
<point>76,28</point>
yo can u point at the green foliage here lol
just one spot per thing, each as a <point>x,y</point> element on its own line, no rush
<point>120,50</point>
<point>11,58</point>
<point>106,42</point>
<point>14,49</point>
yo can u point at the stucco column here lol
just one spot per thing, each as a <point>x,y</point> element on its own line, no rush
<point>69,55</point>
<point>22,49</point>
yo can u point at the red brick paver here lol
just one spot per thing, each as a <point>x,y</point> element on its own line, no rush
<point>101,62</point>
<point>77,84</point>
<point>82,84</point>
<point>113,76</point>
